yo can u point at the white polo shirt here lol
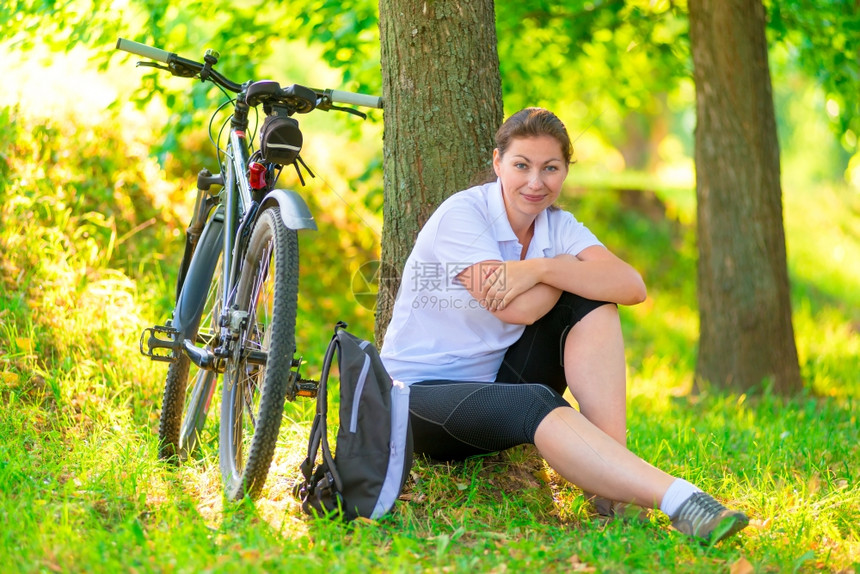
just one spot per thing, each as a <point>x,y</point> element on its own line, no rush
<point>438,330</point>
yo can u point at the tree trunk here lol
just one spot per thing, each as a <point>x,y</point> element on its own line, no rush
<point>746,335</point>
<point>443,104</point>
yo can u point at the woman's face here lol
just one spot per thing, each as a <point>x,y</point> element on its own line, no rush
<point>532,171</point>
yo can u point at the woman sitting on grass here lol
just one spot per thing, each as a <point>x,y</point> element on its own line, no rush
<point>506,301</point>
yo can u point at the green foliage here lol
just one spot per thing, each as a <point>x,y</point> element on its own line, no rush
<point>606,54</point>
<point>245,34</point>
<point>60,24</point>
<point>822,38</point>
<point>597,62</point>
<point>349,38</point>
<point>77,212</point>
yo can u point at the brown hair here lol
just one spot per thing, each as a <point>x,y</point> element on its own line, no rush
<point>529,123</point>
<point>532,123</point>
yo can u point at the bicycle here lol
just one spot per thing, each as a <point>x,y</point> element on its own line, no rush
<point>236,293</point>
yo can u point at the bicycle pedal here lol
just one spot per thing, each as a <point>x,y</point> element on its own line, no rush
<point>160,343</point>
<point>306,388</point>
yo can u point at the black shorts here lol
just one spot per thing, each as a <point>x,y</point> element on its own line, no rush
<point>452,420</point>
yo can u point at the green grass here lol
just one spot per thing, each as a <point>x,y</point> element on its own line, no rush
<point>81,489</point>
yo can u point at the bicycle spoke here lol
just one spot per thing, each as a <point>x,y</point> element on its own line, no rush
<point>249,405</point>
<point>238,437</point>
<point>260,296</point>
<point>248,378</point>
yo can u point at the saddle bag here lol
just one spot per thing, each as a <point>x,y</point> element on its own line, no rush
<point>280,139</point>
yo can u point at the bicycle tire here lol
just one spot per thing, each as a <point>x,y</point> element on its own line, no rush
<point>184,407</point>
<point>253,396</point>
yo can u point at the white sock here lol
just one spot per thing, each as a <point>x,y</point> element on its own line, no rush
<point>676,495</point>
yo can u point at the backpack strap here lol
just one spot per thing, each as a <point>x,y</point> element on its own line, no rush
<point>321,490</point>
<point>321,436</point>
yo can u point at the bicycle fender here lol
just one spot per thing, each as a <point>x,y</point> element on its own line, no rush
<point>189,305</point>
<point>294,210</point>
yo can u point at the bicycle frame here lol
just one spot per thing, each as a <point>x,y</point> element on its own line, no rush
<point>234,215</point>
<point>239,210</point>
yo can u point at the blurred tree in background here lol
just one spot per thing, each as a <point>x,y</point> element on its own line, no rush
<point>746,334</point>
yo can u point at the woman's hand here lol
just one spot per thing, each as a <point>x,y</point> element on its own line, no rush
<point>508,280</point>
<point>487,281</point>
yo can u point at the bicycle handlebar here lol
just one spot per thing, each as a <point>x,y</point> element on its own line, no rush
<point>144,50</point>
<point>189,68</point>
<point>355,99</point>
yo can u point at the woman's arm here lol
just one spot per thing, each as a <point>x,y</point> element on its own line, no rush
<point>596,273</point>
<point>523,291</point>
<point>533,299</point>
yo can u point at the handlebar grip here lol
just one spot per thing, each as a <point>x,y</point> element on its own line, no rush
<point>143,50</point>
<point>354,99</point>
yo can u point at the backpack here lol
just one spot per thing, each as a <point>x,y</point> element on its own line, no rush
<point>373,453</point>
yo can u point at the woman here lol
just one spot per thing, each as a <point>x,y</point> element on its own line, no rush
<point>506,301</point>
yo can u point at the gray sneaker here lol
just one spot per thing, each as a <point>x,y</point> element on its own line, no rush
<point>703,517</point>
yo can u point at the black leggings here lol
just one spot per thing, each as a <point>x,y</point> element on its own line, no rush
<point>452,420</point>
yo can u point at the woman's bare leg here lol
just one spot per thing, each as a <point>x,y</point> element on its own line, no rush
<point>591,459</point>
<point>594,461</point>
<point>596,373</point>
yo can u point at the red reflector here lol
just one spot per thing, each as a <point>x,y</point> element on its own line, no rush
<point>257,175</point>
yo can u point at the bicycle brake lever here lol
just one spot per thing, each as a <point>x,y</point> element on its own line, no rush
<point>175,68</point>
<point>352,111</point>
<point>151,65</point>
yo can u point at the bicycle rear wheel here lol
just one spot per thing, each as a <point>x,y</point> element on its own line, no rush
<point>254,390</point>
<point>185,406</point>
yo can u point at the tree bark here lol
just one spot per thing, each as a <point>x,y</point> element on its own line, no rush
<point>746,334</point>
<point>443,104</point>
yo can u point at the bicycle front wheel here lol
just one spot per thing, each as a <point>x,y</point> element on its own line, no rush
<point>257,373</point>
